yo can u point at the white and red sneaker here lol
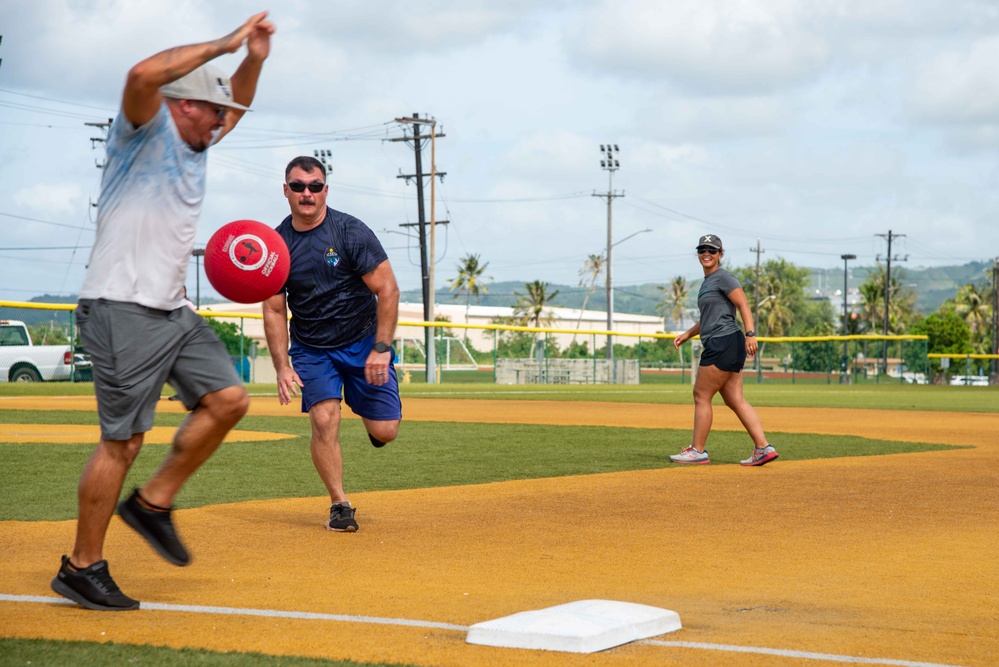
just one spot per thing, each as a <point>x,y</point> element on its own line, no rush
<point>761,456</point>
<point>690,455</point>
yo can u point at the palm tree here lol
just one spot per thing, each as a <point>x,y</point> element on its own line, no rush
<point>530,307</point>
<point>873,297</point>
<point>673,300</point>
<point>973,306</point>
<point>776,311</point>
<point>468,281</point>
<point>901,304</point>
<point>592,268</point>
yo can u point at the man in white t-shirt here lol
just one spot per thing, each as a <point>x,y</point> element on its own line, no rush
<point>131,315</point>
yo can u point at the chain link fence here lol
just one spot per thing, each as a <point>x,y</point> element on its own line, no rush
<point>518,355</point>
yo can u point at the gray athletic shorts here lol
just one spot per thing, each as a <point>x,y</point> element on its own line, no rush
<point>135,350</point>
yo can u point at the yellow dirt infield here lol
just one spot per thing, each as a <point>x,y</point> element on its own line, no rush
<point>159,435</point>
<point>889,557</point>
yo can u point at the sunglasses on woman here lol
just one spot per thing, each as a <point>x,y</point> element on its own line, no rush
<point>704,249</point>
<point>299,186</point>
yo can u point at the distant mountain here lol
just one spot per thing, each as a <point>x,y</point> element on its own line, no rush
<point>932,286</point>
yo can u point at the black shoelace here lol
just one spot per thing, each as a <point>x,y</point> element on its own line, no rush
<point>102,578</point>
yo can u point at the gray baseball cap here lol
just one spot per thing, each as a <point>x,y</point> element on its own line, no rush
<point>711,241</point>
<point>207,84</point>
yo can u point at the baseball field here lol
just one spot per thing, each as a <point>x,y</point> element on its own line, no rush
<point>872,540</point>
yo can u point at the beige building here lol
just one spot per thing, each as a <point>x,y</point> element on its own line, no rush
<point>565,318</point>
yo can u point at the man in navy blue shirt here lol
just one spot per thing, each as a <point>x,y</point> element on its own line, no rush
<point>344,303</point>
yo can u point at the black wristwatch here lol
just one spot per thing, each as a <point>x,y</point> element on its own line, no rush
<point>381,347</point>
<point>750,334</point>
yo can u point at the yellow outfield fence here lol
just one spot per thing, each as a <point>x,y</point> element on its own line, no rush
<point>557,355</point>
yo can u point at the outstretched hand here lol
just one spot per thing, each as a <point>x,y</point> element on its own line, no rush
<point>288,384</point>
<point>256,32</point>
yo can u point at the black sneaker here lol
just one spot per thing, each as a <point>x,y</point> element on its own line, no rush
<point>342,518</point>
<point>375,441</point>
<point>92,587</point>
<point>156,527</point>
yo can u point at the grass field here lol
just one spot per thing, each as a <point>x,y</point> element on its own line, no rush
<point>428,455</point>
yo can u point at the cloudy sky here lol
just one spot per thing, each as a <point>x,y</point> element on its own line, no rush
<point>814,127</point>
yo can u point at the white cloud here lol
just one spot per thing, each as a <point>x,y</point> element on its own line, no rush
<point>51,199</point>
<point>701,45</point>
<point>961,85</point>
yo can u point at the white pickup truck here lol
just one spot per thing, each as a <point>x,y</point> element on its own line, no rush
<point>20,361</point>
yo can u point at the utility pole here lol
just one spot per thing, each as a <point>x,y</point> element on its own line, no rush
<point>756,297</point>
<point>844,378</point>
<point>888,259</point>
<point>426,264</point>
<point>105,128</point>
<point>197,253</point>
<point>610,164</point>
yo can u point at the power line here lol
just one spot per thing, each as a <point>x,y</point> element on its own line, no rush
<point>65,247</point>
<point>52,99</point>
<point>45,222</point>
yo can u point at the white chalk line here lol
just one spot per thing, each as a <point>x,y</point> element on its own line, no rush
<point>805,655</point>
<point>240,611</point>
<point>378,620</point>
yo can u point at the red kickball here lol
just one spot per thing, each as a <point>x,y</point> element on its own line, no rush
<point>246,261</point>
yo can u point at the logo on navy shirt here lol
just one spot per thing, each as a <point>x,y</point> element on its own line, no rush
<point>332,258</point>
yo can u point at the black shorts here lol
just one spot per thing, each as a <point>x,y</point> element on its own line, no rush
<point>726,353</point>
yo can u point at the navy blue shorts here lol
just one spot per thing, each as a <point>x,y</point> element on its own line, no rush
<point>327,373</point>
<point>726,353</point>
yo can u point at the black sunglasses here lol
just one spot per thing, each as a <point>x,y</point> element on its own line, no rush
<point>299,186</point>
<point>710,251</point>
<point>219,111</point>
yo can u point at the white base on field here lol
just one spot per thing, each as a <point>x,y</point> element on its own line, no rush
<point>585,626</point>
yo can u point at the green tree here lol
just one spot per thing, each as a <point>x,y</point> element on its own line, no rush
<point>592,268</point>
<point>947,333</point>
<point>782,293</point>
<point>817,318</point>
<point>534,307</point>
<point>673,300</point>
<point>901,302</point>
<point>972,304</point>
<point>48,334</point>
<point>469,282</point>
<point>229,334</point>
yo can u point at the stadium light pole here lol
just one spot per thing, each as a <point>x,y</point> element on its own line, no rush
<point>843,377</point>
<point>198,253</point>
<point>610,164</point>
<point>640,231</point>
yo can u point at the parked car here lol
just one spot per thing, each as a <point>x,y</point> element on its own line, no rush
<point>22,361</point>
<point>970,380</point>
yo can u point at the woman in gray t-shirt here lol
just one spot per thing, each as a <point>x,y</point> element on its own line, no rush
<point>724,355</point>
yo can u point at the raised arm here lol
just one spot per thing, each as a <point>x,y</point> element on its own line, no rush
<point>141,98</point>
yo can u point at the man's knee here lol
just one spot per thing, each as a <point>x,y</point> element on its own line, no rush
<point>228,405</point>
<point>385,431</point>
<point>123,451</point>
<point>325,416</point>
